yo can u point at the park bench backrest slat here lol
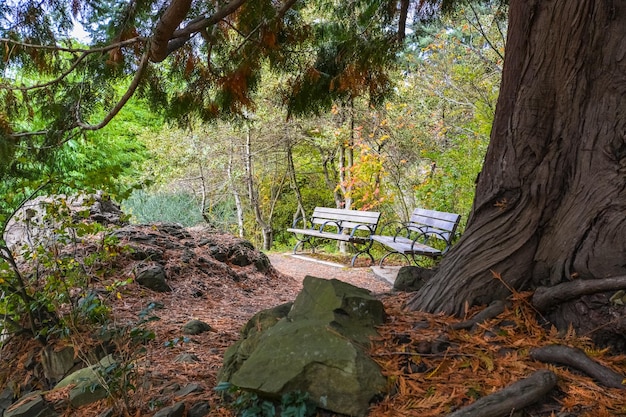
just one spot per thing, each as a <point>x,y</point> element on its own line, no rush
<point>348,218</point>
<point>438,221</point>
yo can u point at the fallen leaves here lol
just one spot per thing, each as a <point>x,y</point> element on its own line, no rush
<point>478,362</point>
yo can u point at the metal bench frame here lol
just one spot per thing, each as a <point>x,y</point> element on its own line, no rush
<point>411,239</point>
<point>354,227</point>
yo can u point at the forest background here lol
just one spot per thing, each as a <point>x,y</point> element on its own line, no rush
<point>252,176</point>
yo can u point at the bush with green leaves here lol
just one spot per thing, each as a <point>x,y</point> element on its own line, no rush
<point>250,404</point>
<point>50,282</point>
<point>168,207</point>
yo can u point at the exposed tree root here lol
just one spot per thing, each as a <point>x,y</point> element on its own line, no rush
<point>547,297</point>
<point>576,358</point>
<point>516,396</point>
<point>492,310</point>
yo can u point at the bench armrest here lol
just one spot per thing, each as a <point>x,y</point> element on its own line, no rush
<point>301,221</point>
<point>398,229</point>
<point>426,235</point>
<point>362,227</point>
<point>332,223</point>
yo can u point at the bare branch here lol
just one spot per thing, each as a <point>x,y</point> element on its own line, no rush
<point>198,24</point>
<point>480,28</point>
<point>84,53</point>
<point>285,8</point>
<point>101,49</point>
<point>127,95</point>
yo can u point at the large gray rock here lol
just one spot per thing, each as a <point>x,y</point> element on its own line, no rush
<point>32,224</point>
<point>87,383</point>
<point>33,405</point>
<point>317,348</point>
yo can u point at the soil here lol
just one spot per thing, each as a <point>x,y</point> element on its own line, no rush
<point>301,266</point>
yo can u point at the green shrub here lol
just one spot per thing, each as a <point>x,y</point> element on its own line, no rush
<point>177,207</point>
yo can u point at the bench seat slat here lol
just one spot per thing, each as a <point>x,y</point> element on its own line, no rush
<point>430,223</point>
<point>329,235</point>
<point>352,226</point>
<point>405,246</point>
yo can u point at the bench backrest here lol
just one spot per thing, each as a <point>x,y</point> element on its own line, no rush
<point>442,224</point>
<point>346,218</point>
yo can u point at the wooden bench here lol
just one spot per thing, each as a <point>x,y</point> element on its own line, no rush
<point>354,227</point>
<point>428,233</point>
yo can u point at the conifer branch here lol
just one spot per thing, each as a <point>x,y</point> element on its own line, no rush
<point>122,102</point>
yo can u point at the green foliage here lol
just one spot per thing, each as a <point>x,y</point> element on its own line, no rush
<point>177,341</point>
<point>51,283</point>
<point>174,207</point>
<point>249,404</point>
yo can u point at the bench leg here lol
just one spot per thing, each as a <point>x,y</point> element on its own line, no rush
<point>356,255</point>
<point>380,263</point>
<point>301,244</point>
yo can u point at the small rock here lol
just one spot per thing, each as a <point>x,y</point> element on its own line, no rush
<point>196,327</point>
<point>200,409</point>
<point>186,358</point>
<point>189,388</point>
<point>412,278</point>
<point>176,410</point>
<point>153,277</point>
<point>32,406</point>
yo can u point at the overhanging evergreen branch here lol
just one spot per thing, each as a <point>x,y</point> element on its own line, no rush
<point>84,53</point>
<point>123,100</point>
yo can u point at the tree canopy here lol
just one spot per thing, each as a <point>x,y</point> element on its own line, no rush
<point>186,57</point>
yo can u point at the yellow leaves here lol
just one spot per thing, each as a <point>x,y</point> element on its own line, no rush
<point>487,361</point>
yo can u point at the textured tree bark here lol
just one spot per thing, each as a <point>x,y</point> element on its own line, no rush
<point>512,398</point>
<point>551,198</point>
<point>167,24</point>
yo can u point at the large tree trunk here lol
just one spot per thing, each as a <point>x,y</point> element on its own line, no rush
<point>550,201</point>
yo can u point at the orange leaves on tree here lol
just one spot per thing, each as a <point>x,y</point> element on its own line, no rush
<point>236,86</point>
<point>268,39</point>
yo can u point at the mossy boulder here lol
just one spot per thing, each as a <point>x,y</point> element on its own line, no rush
<point>318,346</point>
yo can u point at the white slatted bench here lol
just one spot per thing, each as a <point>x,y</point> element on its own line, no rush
<point>428,233</point>
<point>352,226</point>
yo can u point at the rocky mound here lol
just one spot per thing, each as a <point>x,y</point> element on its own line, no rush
<point>168,341</point>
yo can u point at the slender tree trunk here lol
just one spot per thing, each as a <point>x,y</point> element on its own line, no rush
<point>291,169</point>
<point>346,161</point>
<point>551,198</point>
<point>235,191</point>
<point>253,195</point>
<point>330,177</point>
<point>203,197</point>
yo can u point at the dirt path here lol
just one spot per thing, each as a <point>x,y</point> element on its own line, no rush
<point>298,267</point>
